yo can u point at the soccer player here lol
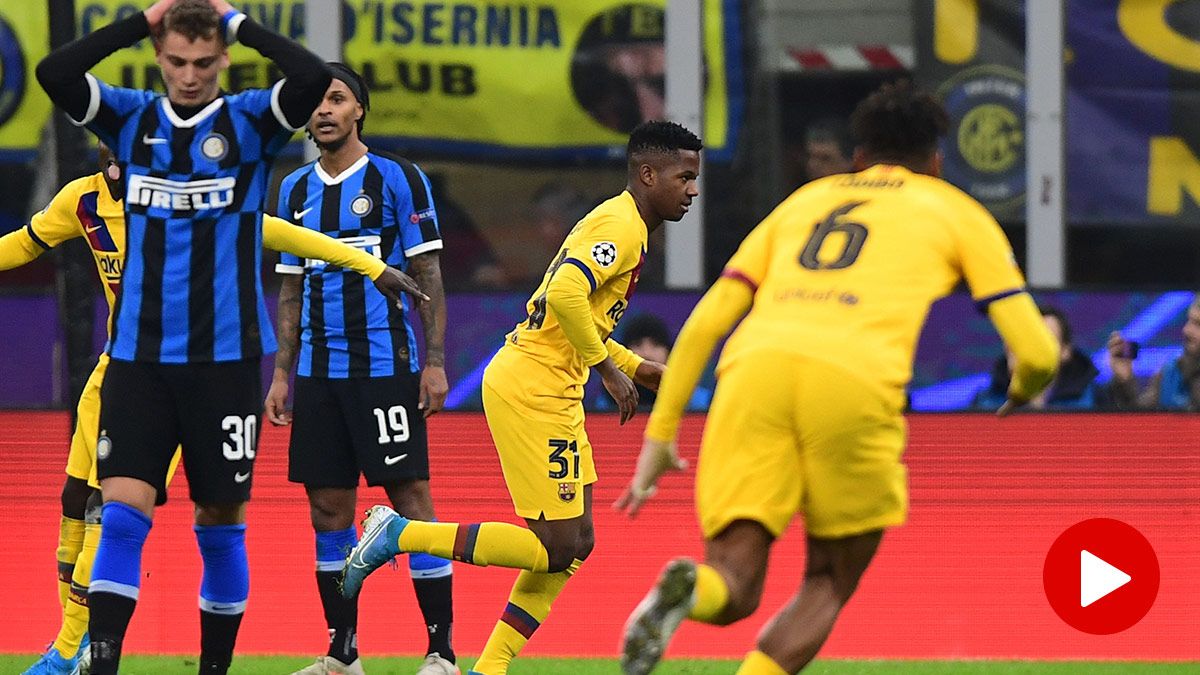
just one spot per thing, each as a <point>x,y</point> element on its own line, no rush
<point>532,395</point>
<point>190,324</point>
<point>360,404</point>
<point>91,208</point>
<point>830,290</point>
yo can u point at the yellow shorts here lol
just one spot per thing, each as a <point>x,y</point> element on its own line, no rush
<point>543,447</point>
<point>81,460</point>
<point>789,434</point>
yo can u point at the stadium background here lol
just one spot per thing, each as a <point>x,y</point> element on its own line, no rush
<point>962,580</point>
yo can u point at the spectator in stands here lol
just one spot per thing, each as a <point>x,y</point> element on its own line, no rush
<point>1074,388</point>
<point>648,336</point>
<point>1175,387</point>
<point>828,149</point>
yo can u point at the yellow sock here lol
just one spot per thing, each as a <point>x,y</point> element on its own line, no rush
<point>482,544</point>
<point>75,614</point>
<point>528,606</point>
<point>70,540</point>
<point>711,595</point>
<point>758,663</point>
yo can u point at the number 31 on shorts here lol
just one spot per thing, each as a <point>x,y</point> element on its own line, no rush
<point>560,466</point>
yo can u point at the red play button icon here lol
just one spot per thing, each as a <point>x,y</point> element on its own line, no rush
<point>1101,576</point>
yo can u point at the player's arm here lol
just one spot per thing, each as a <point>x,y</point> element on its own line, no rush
<point>567,296</point>
<point>644,372</point>
<point>19,248</point>
<point>305,76</point>
<point>287,334</point>
<point>990,269</point>
<point>284,237</point>
<point>63,73</point>
<point>721,308</point>
<point>427,271</point>
<point>1024,332</point>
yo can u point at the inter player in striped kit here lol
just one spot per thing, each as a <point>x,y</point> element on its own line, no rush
<point>828,294</point>
<point>91,208</point>
<point>361,397</point>
<point>190,323</point>
<point>532,395</point>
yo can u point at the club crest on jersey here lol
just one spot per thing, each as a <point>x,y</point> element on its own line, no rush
<point>214,147</point>
<point>361,205</point>
<point>103,446</point>
<point>566,492</point>
<point>604,253</point>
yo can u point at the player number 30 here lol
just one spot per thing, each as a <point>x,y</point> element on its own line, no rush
<point>393,424</point>
<point>243,435</point>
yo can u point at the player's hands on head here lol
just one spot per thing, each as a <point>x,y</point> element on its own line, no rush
<point>1118,357</point>
<point>434,388</point>
<point>656,458</point>
<point>620,387</point>
<point>649,374</point>
<point>154,13</point>
<point>393,282</point>
<point>275,406</point>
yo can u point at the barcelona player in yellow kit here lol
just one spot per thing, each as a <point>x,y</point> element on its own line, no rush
<point>831,291</point>
<point>90,208</point>
<point>532,395</point>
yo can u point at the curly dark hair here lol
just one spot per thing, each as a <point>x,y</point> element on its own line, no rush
<point>899,123</point>
<point>660,137</point>
<point>193,19</point>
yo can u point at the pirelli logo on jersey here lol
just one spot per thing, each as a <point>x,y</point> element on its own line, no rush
<point>194,195</point>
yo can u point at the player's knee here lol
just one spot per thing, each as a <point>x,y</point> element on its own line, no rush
<point>560,558</point>
<point>411,499</point>
<point>74,497</point>
<point>743,601</point>
<point>220,514</point>
<point>587,542</point>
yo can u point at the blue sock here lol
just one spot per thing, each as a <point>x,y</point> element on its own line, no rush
<point>118,565</point>
<point>333,547</point>
<point>225,584</point>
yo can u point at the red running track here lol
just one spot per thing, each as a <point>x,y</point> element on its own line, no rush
<point>961,580</point>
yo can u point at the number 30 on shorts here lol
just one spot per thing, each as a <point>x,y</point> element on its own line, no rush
<point>560,466</point>
<point>243,435</point>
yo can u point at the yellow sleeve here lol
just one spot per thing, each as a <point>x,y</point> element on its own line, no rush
<point>604,249</point>
<point>18,248</point>
<point>1024,332</point>
<point>567,296</point>
<point>57,222</point>
<point>625,359</point>
<point>985,256</point>
<point>721,308</point>
<point>280,235</point>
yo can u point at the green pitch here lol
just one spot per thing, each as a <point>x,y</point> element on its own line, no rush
<point>275,665</point>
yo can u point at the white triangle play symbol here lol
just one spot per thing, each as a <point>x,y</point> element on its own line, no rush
<point>1097,578</point>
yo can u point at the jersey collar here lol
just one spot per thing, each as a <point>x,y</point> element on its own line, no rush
<point>192,121</point>
<point>350,171</point>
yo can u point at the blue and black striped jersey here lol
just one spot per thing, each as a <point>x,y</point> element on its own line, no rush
<point>382,205</point>
<point>192,289</point>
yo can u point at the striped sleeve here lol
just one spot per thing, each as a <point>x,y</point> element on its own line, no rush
<point>418,221</point>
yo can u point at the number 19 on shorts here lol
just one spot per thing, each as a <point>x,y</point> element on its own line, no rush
<point>393,424</point>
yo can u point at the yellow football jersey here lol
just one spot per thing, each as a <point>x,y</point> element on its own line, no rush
<point>845,269</point>
<point>84,208</point>
<point>609,247</point>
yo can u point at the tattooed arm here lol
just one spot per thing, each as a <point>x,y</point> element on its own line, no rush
<point>426,270</point>
<point>287,333</point>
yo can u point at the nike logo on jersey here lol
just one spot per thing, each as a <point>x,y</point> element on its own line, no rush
<point>152,140</point>
<point>90,230</point>
<point>240,477</point>
<point>297,215</point>
<point>389,460</point>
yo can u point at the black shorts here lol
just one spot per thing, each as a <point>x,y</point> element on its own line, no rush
<point>341,427</point>
<point>211,409</point>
